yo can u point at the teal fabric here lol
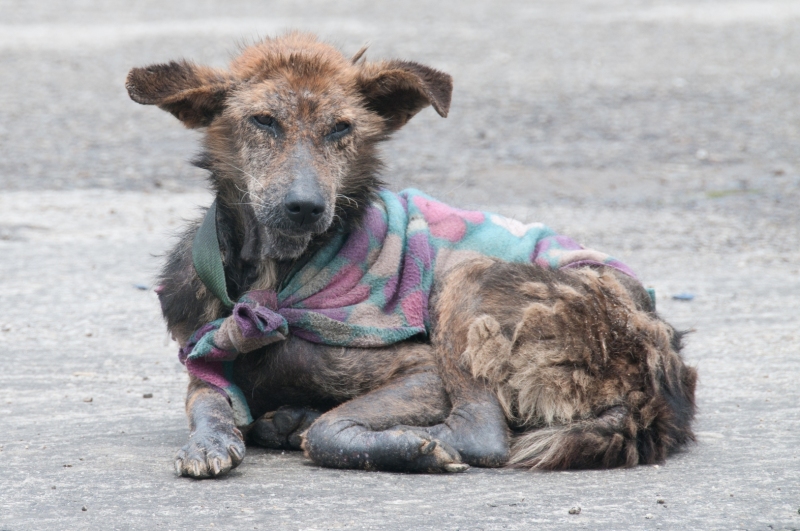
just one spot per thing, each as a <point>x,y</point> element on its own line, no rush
<point>207,257</point>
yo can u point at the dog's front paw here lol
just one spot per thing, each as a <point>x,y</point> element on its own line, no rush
<point>210,452</point>
<point>283,428</point>
<point>419,452</point>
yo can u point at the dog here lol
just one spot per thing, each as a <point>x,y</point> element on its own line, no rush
<point>315,310</point>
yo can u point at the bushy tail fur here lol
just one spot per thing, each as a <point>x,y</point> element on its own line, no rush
<point>586,378</point>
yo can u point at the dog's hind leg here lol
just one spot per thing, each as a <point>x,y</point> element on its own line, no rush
<point>368,432</point>
<point>576,359</point>
<point>215,444</point>
<point>477,426</point>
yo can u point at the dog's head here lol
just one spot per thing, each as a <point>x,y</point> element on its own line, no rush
<point>291,128</point>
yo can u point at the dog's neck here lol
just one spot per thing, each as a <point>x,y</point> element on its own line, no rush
<point>248,263</point>
<point>266,275</point>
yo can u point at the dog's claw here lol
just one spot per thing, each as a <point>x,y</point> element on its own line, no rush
<point>456,467</point>
<point>235,453</point>
<point>179,467</point>
<point>428,447</point>
<point>216,466</point>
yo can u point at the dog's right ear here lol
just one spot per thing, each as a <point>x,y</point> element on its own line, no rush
<point>194,94</point>
<point>397,90</point>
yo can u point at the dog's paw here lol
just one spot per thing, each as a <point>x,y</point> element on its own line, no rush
<point>283,428</point>
<point>420,452</point>
<point>210,453</point>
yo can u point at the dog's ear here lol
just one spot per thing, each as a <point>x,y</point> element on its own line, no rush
<point>194,94</point>
<point>397,90</point>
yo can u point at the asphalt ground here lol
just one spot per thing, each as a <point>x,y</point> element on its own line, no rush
<point>664,133</point>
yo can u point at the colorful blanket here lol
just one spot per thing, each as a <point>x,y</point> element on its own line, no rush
<point>370,287</point>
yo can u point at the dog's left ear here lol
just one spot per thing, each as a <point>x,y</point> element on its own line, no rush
<point>397,90</point>
<point>194,94</point>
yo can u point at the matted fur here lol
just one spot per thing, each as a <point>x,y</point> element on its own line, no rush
<point>585,377</point>
<point>575,362</point>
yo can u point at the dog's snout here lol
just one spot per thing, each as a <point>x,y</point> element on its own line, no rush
<point>304,210</point>
<point>304,203</point>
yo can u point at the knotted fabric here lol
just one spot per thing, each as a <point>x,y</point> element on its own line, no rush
<point>370,287</point>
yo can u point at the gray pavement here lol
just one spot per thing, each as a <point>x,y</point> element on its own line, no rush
<point>665,133</point>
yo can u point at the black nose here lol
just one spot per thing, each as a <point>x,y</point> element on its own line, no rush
<point>304,210</point>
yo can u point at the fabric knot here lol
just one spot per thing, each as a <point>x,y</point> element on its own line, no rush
<point>253,324</point>
<point>256,315</point>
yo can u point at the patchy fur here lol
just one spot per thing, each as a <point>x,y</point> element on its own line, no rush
<point>585,377</point>
<point>525,366</point>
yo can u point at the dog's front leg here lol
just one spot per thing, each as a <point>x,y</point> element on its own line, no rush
<point>368,433</point>
<point>215,444</point>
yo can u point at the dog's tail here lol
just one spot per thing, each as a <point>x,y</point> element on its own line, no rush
<point>623,435</point>
<point>589,380</point>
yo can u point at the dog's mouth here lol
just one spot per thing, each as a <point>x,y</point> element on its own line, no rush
<point>284,247</point>
<point>289,230</point>
<point>283,240</point>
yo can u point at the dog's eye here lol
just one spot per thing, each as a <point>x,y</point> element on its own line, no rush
<point>339,130</point>
<point>264,121</point>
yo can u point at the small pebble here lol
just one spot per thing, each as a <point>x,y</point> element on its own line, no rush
<point>87,399</point>
<point>147,395</point>
<point>142,287</point>
<point>575,510</point>
<point>662,502</point>
<point>84,508</point>
<point>649,516</point>
<point>53,487</point>
<point>685,296</point>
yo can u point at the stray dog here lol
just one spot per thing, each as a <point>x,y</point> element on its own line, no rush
<point>374,330</point>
